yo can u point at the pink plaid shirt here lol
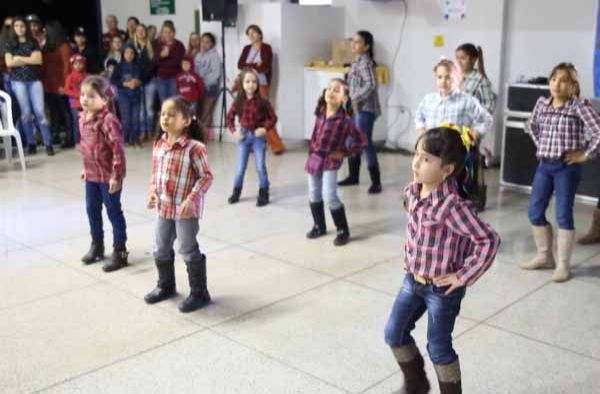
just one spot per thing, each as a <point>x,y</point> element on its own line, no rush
<point>179,171</point>
<point>102,147</point>
<point>556,131</point>
<point>445,236</point>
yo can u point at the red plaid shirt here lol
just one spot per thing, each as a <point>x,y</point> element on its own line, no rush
<point>445,236</point>
<point>102,147</point>
<point>255,114</point>
<point>332,134</point>
<point>179,171</point>
<point>556,131</point>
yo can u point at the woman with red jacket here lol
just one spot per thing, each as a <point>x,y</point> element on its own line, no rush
<point>168,54</point>
<point>258,56</point>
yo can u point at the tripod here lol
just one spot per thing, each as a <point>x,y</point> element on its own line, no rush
<point>223,91</point>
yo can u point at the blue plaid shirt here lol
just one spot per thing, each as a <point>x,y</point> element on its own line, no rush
<point>458,108</point>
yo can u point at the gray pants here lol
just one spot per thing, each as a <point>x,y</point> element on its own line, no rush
<point>185,230</point>
<point>324,184</point>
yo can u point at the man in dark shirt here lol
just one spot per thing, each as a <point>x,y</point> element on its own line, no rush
<point>82,47</point>
<point>112,25</point>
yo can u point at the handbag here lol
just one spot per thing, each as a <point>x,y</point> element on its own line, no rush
<point>314,164</point>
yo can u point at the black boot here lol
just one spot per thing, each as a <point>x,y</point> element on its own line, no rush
<point>50,150</point>
<point>118,259</point>
<point>235,196</point>
<point>353,172</point>
<point>96,252</point>
<point>165,287</point>
<point>318,214</point>
<point>263,197</point>
<point>31,149</point>
<point>199,295</point>
<point>343,232</point>
<point>449,378</point>
<point>413,368</point>
<point>375,187</point>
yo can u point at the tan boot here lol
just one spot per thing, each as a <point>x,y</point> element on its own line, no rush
<point>449,378</point>
<point>544,259</point>
<point>564,241</point>
<point>593,236</point>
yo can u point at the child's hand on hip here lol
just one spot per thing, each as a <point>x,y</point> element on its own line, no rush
<point>447,280</point>
<point>83,177</point>
<point>152,200</point>
<point>187,209</point>
<point>238,135</point>
<point>114,186</point>
<point>260,132</point>
<point>575,157</point>
<point>336,155</point>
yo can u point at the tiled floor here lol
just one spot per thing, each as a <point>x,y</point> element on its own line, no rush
<point>289,315</point>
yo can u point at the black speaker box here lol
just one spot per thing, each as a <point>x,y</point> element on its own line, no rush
<point>219,10</point>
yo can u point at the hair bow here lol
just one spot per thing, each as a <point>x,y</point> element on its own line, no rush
<point>467,137</point>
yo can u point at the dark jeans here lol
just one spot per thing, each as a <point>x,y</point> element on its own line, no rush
<point>561,179</point>
<point>413,300</point>
<point>97,194</point>
<point>75,119</point>
<point>58,114</point>
<point>129,107</point>
<point>166,88</point>
<point>365,121</point>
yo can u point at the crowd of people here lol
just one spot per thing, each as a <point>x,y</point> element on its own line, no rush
<point>448,246</point>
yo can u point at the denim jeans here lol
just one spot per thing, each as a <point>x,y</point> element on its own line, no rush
<point>560,178</point>
<point>166,88</point>
<point>185,230</point>
<point>259,146</point>
<point>95,195</point>
<point>413,300</point>
<point>75,120</point>
<point>16,111</point>
<point>147,107</point>
<point>365,121</point>
<point>30,96</point>
<point>324,184</point>
<point>129,106</point>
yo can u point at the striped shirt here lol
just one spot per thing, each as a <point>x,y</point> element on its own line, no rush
<point>480,87</point>
<point>179,171</point>
<point>362,84</point>
<point>572,126</point>
<point>102,147</point>
<point>458,108</point>
<point>445,236</point>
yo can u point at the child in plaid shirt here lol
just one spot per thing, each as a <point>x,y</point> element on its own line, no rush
<point>334,127</point>
<point>103,172</point>
<point>447,248</point>
<point>476,83</point>
<point>256,117</point>
<point>181,177</point>
<point>566,131</point>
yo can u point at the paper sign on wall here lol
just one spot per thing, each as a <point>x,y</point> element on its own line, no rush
<point>162,7</point>
<point>454,9</point>
<point>438,41</point>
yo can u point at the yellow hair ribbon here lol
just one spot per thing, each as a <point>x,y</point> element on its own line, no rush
<point>465,133</point>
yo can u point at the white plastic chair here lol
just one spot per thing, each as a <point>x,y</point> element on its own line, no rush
<point>7,129</point>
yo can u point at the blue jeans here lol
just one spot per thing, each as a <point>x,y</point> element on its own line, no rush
<point>129,106</point>
<point>365,121</point>
<point>75,120</point>
<point>185,230</point>
<point>30,96</point>
<point>411,303</point>
<point>166,88</point>
<point>324,184</point>
<point>259,146</point>
<point>146,109</point>
<point>95,195</point>
<point>16,111</point>
<point>560,178</point>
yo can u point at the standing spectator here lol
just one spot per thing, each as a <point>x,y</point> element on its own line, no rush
<point>189,84</point>
<point>152,32</point>
<point>55,55</point>
<point>168,54</point>
<point>145,54</point>
<point>208,65</point>
<point>73,91</point>
<point>24,58</point>
<point>5,71</point>
<point>92,60</point>
<point>114,52</point>
<point>194,45</point>
<point>132,23</point>
<point>112,26</point>
<point>37,29</point>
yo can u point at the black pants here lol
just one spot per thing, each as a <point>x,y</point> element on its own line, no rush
<point>59,115</point>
